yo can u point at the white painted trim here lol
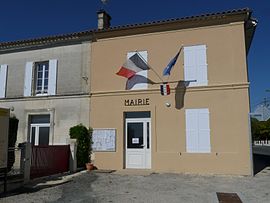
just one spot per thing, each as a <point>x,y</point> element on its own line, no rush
<point>146,153</point>
<point>37,126</point>
<point>52,77</point>
<point>28,78</point>
<point>3,80</point>
<point>33,112</point>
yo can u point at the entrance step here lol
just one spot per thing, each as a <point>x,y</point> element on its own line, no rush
<point>139,172</point>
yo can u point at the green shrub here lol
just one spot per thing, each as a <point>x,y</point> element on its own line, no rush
<point>260,129</point>
<point>84,140</point>
<point>90,132</point>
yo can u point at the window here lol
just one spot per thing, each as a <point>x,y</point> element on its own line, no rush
<point>40,78</point>
<point>197,131</point>
<point>40,129</point>
<point>144,73</point>
<point>3,80</point>
<point>195,65</point>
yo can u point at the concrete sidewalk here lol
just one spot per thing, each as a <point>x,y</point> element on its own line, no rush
<point>144,186</point>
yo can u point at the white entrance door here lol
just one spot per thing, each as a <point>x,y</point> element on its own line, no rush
<point>40,134</point>
<point>138,143</point>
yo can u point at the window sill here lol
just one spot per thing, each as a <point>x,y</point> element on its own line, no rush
<point>198,152</point>
<point>40,95</point>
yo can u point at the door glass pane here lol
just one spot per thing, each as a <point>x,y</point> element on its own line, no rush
<point>44,135</point>
<point>33,135</point>
<point>148,135</point>
<point>135,135</point>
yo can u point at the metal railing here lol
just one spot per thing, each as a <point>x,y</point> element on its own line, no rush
<point>15,156</point>
<point>262,142</point>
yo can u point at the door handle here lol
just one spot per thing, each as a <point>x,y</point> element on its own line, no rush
<point>142,145</point>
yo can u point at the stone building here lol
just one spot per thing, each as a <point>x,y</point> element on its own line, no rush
<point>45,83</point>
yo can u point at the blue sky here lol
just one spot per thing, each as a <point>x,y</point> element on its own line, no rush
<point>23,19</point>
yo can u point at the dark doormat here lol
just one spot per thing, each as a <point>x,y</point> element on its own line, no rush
<point>228,198</point>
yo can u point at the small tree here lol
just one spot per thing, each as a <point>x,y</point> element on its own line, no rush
<point>260,129</point>
<point>84,139</point>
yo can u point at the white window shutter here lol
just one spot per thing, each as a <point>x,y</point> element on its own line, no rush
<point>144,73</point>
<point>3,80</point>
<point>197,131</point>
<point>190,69</point>
<point>204,131</point>
<point>191,130</point>
<point>52,77</point>
<point>28,79</point>
<point>195,65</point>
<point>201,65</point>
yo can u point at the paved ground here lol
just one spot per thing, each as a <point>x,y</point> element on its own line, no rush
<point>143,187</point>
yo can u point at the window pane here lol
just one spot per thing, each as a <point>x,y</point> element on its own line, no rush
<point>39,82</point>
<point>39,75</point>
<point>40,119</point>
<point>42,75</point>
<point>44,135</point>
<point>138,114</point>
<point>40,68</point>
<point>46,67</point>
<point>135,135</point>
<point>45,82</point>
<point>148,140</point>
<point>33,129</point>
<point>39,88</point>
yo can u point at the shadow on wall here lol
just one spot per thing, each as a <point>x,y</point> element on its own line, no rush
<point>180,92</point>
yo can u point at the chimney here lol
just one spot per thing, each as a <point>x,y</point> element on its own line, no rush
<point>103,19</point>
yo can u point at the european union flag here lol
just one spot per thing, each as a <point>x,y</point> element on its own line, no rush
<point>167,70</point>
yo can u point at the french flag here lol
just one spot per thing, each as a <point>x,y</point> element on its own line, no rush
<point>165,89</point>
<point>132,66</point>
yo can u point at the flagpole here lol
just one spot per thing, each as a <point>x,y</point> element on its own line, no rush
<point>175,81</point>
<point>150,66</point>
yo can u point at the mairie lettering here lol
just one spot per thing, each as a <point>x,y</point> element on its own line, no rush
<point>137,102</point>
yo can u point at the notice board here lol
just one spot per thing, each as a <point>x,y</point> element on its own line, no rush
<point>104,139</point>
<point>4,123</point>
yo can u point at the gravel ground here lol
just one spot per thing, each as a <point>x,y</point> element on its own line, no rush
<point>152,187</point>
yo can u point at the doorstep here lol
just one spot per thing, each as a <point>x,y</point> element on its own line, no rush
<point>139,172</point>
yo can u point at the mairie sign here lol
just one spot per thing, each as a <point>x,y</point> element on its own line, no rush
<point>137,102</point>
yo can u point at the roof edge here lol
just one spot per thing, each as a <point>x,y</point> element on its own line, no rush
<point>176,23</point>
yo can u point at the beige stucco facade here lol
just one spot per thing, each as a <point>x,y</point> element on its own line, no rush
<point>226,96</point>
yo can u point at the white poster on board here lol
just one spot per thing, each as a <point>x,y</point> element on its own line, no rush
<point>4,123</point>
<point>104,140</point>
